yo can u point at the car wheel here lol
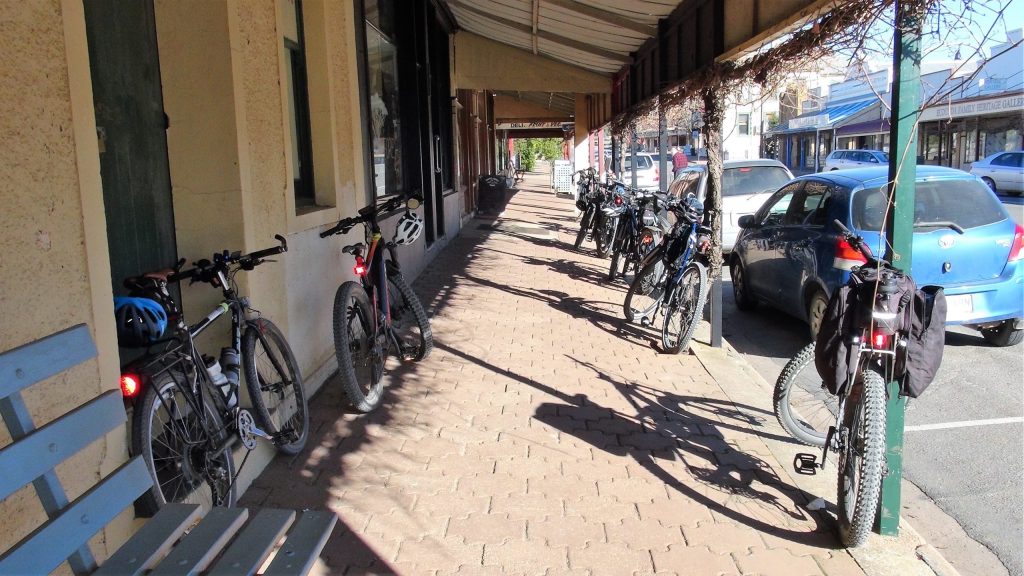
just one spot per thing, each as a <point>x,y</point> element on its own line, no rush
<point>1003,335</point>
<point>816,306</point>
<point>740,290</point>
<point>991,183</point>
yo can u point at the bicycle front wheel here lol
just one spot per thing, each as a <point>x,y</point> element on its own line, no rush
<point>361,355</point>
<point>585,224</point>
<point>174,441</point>
<point>685,308</point>
<point>275,384</point>
<point>645,292</point>
<point>409,321</point>
<point>861,461</point>
<point>802,405</point>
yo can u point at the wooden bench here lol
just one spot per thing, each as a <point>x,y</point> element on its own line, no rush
<point>172,542</point>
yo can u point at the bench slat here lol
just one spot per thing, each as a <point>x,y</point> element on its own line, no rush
<point>252,547</point>
<point>41,450</point>
<point>196,550</point>
<point>43,550</point>
<point>152,541</point>
<point>304,543</point>
<point>36,361</point>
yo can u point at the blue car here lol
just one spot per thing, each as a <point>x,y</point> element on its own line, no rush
<point>790,256</point>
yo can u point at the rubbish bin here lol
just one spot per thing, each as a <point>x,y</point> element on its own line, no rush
<point>492,192</point>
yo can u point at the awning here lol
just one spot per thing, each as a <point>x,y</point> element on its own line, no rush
<point>825,119</point>
<point>869,128</point>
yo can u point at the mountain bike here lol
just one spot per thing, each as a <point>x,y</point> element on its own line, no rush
<point>850,423</point>
<point>637,231</point>
<point>674,277</point>
<point>590,196</point>
<point>188,417</point>
<point>380,314</point>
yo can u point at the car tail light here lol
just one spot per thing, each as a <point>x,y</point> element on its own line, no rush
<point>130,385</point>
<point>360,267</point>
<point>879,340</point>
<point>847,256</point>
<point>1017,248</point>
<point>657,174</point>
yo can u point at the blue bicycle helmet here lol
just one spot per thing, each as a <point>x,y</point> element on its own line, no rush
<point>140,321</point>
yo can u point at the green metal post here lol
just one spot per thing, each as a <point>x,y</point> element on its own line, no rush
<point>906,97</point>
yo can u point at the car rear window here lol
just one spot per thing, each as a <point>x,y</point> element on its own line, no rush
<point>686,183</point>
<point>742,181</point>
<point>642,163</point>
<point>966,202</point>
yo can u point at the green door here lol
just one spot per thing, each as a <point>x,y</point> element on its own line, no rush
<point>131,125</point>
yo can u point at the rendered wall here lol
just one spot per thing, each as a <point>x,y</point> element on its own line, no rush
<point>54,272</point>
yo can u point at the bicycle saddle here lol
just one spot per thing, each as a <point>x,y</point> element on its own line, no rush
<point>352,248</point>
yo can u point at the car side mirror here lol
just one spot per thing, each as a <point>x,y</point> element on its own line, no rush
<point>747,221</point>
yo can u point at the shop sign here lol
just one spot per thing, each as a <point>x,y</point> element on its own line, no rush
<point>974,108</point>
<point>534,125</point>
<point>809,122</point>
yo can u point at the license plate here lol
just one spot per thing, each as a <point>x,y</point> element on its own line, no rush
<point>959,307</point>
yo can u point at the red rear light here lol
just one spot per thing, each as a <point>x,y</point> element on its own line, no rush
<point>657,174</point>
<point>847,256</point>
<point>360,267</point>
<point>1017,248</point>
<point>130,385</point>
<point>618,200</point>
<point>879,340</point>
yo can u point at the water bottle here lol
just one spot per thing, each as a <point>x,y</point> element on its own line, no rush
<point>229,364</point>
<point>218,379</point>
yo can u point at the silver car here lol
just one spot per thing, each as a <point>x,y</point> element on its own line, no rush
<point>1002,171</point>
<point>843,159</point>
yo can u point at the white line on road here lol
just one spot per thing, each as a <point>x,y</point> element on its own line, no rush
<point>964,424</point>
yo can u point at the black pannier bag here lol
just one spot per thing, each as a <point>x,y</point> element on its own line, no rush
<point>848,310</point>
<point>925,343</point>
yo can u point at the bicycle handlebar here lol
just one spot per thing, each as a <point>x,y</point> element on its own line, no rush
<point>370,213</point>
<point>856,241</point>
<point>204,270</point>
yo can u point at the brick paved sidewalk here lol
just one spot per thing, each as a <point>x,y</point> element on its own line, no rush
<point>546,435</point>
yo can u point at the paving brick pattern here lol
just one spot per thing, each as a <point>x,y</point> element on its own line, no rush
<point>545,435</point>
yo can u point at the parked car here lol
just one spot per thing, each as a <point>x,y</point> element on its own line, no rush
<point>746,184</point>
<point>843,159</point>
<point>648,175</point>
<point>791,256</point>
<point>1002,171</point>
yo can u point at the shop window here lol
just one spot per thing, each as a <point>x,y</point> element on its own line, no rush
<point>743,123</point>
<point>382,95</point>
<point>307,95</point>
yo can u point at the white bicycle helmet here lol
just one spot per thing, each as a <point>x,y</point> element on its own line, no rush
<point>409,228</point>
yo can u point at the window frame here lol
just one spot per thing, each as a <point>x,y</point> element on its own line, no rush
<point>792,189</point>
<point>743,126</point>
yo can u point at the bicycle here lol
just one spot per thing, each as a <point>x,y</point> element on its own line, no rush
<point>589,198</point>
<point>850,422</point>
<point>637,231</point>
<point>188,417</point>
<point>379,313</point>
<point>674,277</point>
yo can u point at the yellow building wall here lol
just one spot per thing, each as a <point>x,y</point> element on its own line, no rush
<point>232,188</point>
<point>54,268</point>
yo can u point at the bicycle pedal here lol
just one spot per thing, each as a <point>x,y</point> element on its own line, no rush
<point>806,464</point>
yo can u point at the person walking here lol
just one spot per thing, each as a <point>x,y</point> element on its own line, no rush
<point>679,162</point>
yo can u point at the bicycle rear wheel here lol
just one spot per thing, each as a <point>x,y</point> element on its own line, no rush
<point>361,355</point>
<point>861,461</point>
<point>409,321</point>
<point>275,384</point>
<point>685,308</point>
<point>803,407</point>
<point>645,292</point>
<point>170,436</point>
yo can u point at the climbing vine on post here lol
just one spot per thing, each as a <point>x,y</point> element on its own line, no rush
<point>713,202</point>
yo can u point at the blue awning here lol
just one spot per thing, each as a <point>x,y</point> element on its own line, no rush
<point>824,119</point>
